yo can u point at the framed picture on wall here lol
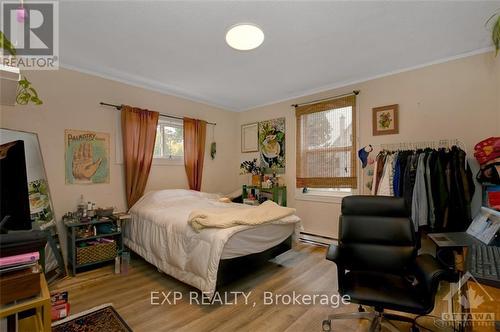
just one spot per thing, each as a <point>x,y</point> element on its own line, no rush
<point>86,157</point>
<point>386,120</point>
<point>249,137</point>
<point>272,145</point>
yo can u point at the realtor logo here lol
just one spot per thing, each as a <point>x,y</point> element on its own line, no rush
<point>469,300</point>
<point>33,30</point>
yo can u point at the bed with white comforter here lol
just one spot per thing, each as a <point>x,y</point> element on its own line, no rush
<point>160,233</point>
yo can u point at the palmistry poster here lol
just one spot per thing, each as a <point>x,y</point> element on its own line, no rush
<point>87,157</point>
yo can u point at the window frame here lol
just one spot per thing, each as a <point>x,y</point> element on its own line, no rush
<point>325,191</point>
<point>168,160</point>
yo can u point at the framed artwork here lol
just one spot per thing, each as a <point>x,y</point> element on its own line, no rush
<point>249,137</point>
<point>386,120</point>
<point>87,157</point>
<point>40,203</point>
<point>272,145</point>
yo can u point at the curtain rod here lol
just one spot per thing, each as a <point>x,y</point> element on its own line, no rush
<point>354,92</point>
<point>119,107</point>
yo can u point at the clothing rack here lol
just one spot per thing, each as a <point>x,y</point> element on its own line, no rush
<point>119,108</point>
<point>443,143</point>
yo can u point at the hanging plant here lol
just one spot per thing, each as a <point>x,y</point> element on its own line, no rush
<point>6,44</point>
<point>213,146</point>
<point>25,92</point>
<point>213,150</point>
<point>495,31</point>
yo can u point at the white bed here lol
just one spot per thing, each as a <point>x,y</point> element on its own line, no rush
<point>159,232</point>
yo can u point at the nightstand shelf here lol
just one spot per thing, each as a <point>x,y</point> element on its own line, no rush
<point>276,194</point>
<point>96,236</point>
<point>94,263</point>
<point>94,254</point>
<point>41,320</point>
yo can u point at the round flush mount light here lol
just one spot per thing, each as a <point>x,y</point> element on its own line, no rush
<point>244,37</point>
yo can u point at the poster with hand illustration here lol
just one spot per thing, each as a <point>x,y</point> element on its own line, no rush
<point>87,157</point>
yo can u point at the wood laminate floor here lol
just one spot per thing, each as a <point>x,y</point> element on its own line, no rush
<point>302,269</point>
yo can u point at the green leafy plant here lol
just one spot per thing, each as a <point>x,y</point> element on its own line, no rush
<point>495,30</point>
<point>25,92</point>
<point>6,44</point>
<point>250,167</point>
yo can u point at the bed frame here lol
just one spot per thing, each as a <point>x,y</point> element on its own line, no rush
<point>235,268</point>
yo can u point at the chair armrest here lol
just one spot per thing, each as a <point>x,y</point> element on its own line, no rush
<point>429,271</point>
<point>333,253</point>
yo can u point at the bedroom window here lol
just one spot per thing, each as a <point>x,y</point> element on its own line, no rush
<point>169,144</point>
<point>326,147</point>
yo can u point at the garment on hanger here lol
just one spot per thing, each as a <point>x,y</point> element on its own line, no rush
<point>419,207</point>
<point>436,184</point>
<point>385,186</point>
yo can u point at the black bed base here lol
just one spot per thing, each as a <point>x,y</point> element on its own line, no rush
<point>235,268</point>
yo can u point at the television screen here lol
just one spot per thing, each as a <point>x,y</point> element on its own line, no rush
<point>14,198</point>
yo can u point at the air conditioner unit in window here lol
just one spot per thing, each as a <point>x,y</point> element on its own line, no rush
<point>9,77</point>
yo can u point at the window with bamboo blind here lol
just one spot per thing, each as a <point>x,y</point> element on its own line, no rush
<point>326,146</point>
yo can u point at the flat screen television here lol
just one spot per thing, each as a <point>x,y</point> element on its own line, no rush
<point>14,197</point>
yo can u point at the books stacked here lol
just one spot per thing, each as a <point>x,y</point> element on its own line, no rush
<point>18,262</point>
<point>19,277</point>
<point>59,305</point>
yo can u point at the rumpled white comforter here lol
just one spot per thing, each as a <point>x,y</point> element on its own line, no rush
<point>180,251</point>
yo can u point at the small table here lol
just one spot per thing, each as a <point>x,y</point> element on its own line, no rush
<point>41,321</point>
<point>276,194</point>
<point>74,240</point>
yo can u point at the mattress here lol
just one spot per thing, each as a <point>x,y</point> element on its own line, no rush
<point>159,232</point>
<point>254,240</point>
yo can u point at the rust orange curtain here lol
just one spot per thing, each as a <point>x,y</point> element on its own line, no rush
<point>194,151</point>
<point>139,134</point>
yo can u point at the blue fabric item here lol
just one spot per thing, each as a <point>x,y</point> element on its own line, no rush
<point>363,155</point>
<point>395,182</point>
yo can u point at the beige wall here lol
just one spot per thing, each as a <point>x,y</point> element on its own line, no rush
<point>71,101</point>
<point>455,99</point>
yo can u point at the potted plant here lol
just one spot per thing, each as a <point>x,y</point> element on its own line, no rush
<point>251,167</point>
<point>26,93</point>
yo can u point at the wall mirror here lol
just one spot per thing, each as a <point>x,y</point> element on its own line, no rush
<point>40,202</point>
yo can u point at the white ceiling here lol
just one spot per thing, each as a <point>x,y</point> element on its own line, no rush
<point>179,47</point>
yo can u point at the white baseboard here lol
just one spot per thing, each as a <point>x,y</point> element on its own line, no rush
<point>317,239</point>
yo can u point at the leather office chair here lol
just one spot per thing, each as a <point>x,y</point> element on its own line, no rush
<point>378,265</point>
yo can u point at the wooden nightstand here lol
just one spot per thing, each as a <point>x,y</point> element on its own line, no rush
<point>276,194</point>
<point>41,320</point>
<point>90,248</point>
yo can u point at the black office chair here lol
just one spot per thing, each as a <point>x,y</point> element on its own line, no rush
<point>378,265</point>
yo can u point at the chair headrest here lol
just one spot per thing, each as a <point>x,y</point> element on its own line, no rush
<point>383,206</point>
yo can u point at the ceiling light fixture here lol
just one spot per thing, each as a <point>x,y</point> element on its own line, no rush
<point>244,37</point>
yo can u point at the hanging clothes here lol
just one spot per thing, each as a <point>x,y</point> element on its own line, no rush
<point>409,179</point>
<point>397,174</point>
<point>377,175</point>
<point>428,185</point>
<point>419,199</point>
<point>437,185</point>
<point>385,186</point>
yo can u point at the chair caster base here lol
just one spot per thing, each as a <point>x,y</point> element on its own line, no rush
<point>326,325</point>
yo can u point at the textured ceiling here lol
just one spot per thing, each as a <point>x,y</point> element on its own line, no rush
<point>179,47</point>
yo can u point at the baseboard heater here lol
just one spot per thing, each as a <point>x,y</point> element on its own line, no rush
<point>317,239</point>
